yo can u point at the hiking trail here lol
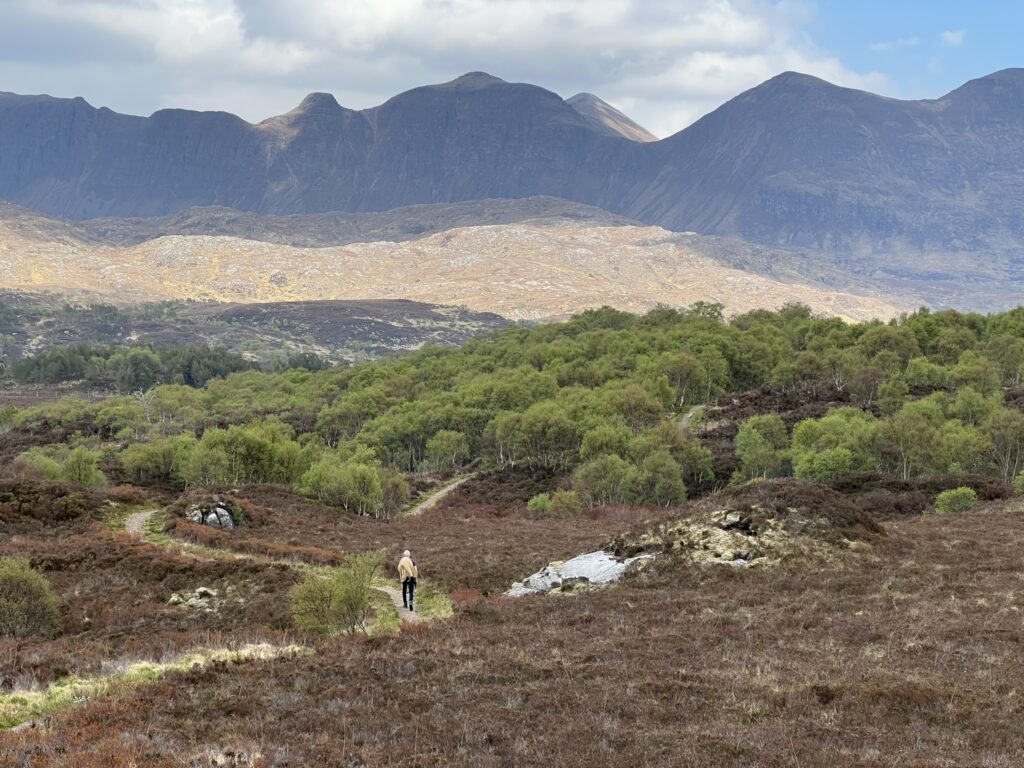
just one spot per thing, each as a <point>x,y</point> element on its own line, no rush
<point>431,501</point>
<point>136,521</point>
<point>407,616</point>
<point>135,525</point>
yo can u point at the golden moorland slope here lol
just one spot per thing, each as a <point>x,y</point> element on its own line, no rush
<point>521,271</point>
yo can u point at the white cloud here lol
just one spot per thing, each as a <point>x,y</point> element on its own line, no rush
<point>953,38</point>
<point>892,45</point>
<point>665,62</point>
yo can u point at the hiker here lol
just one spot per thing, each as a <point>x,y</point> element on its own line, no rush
<point>407,574</point>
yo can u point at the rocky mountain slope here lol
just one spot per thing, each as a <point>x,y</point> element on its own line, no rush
<point>794,162</point>
<point>519,271</point>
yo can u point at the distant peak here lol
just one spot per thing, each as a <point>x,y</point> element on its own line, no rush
<point>316,103</point>
<point>1004,78</point>
<point>584,98</point>
<point>798,79</point>
<point>1005,88</point>
<point>1011,75</point>
<point>602,115</point>
<point>474,80</point>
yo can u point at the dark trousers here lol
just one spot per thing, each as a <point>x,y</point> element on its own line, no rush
<point>408,590</point>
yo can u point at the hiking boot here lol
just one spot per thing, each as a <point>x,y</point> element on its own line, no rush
<point>405,605</point>
<point>411,608</point>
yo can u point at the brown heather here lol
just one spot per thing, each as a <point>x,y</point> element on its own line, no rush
<point>905,652</point>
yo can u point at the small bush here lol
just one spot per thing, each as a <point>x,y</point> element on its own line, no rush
<point>28,606</point>
<point>340,602</point>
<point>566,504</point>
<point>1018,484</point>
<point>540,504</point>
<point>956,500</point>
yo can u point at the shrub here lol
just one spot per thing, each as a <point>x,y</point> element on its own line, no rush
<point>45,465</point>
<point>395,492</point>
<point>7,417</point>
<point>540,504</point>
<point>447,449</point>
<point>956,500</point>
<point>81,468</point>
<point>339,602</point>
<point>825,465</point>
<point>761,446</point>
<point>354,486</point>
<point>566,504</point>
<point>28,606</point>
<point>660,481</point>
<point>604,481</point>
<point>1018,484</point>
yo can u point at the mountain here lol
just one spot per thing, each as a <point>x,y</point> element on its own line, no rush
<point>475,137</point>
<point>922,191</point>
<point>605,117</point>
<point>800,162</point>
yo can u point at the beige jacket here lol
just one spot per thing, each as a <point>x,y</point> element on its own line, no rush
<point>407,569</point>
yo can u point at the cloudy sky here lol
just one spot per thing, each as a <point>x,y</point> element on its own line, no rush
<point>664,62</point>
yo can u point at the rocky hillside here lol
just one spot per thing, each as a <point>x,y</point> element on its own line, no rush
<point>519,271</point>
<point>31,324</point>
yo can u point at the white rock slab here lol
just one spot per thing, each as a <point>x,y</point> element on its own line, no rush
<point>593,568</point>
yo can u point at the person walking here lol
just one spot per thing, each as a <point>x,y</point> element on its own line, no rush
<point>407,574</point>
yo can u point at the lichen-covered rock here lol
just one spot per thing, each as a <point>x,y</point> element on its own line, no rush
<point>760,524</point>
<point>201,599</point>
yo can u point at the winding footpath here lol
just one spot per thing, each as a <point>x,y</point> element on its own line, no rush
<point>407,616</point>
<point>135,525</point>
<point>431,501</point>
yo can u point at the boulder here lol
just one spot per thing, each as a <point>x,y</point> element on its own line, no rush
<point>216,513</point>
<point>593,568</point>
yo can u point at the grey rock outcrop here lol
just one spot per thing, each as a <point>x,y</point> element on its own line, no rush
<point>591,569</point>
<point>216,513</point>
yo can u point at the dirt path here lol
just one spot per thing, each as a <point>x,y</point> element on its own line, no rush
<point>407,616</point>
<point>135,522</point>
<point>135,526</point>
<point>431,501</point>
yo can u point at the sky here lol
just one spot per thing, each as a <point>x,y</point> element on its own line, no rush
<point>664,62</point>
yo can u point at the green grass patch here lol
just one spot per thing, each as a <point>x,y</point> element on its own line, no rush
<point>432,604</point>
<point>118,514</point>
<point>153,530</point>
<point>386,620</point>
<point>21,706</point>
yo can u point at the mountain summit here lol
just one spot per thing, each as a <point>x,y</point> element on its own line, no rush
<point>604,116</point>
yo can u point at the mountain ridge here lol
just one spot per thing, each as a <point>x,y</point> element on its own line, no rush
<point>798,163</point>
